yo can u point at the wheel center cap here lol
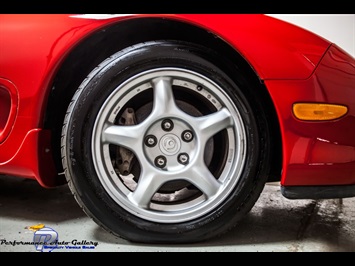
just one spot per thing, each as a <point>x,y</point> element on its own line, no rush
<point>169,144</point>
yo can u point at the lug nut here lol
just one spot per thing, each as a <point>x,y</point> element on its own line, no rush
<point>150,140</point>
<point>183,158</point>
<point>187,135</point>
<point>160,161</point>
<point>167,125</point>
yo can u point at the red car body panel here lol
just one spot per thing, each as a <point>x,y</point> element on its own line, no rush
<point>295,65</point>
<point>318,153</point>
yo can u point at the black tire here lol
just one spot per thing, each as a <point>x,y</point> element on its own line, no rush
<point>160,145</point>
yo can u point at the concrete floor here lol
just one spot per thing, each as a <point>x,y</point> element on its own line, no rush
<point>275,224</point>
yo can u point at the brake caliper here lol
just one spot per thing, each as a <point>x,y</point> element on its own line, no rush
<point>125,159</point>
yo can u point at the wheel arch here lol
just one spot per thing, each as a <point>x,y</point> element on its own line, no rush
<point>104,42</point>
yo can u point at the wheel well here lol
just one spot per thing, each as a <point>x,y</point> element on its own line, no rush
<point>105,42</point>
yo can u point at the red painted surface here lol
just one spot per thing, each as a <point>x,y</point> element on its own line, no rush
<point>8,107</point>
<point>289,60</point>
<point>318,153</point>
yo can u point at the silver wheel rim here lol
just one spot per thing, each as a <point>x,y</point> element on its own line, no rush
<point>177,151</point>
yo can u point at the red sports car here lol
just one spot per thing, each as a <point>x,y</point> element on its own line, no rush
<point>167,127</point>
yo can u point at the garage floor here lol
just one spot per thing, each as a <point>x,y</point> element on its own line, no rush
<point>275,224</point>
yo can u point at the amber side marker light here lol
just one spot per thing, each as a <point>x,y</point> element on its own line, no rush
<point>318,111</point>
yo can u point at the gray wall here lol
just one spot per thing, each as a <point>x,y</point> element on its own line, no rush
<point>337,28</point>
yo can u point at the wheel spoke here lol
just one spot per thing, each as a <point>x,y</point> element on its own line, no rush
<point>125,136</point>
<point>210,125</point>
<point>164,102</point>
<point>202,178</point>
<point>148,185</point>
